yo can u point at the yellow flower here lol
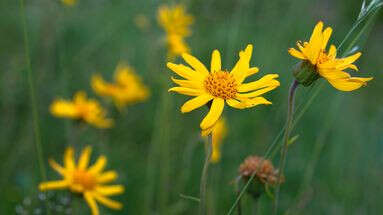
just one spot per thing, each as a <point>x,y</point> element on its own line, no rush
<point>219,85</point>
<point>89,181</point>
<point>325,63</point>
<point>218,132</point>
<point>176,45</point>
<point>81,108</point>
<point>69,2</point>
<point>175,20</point>
<point>127,89</point>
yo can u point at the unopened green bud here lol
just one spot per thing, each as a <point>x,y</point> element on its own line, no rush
<point>305,73</point>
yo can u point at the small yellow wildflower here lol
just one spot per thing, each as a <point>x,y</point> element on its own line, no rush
<point>81,108</point>
<point>89,181</point>
<point>127,89</point>
<point>69,2</point>
<point>313,53</point>
<point>175,20</point>
<point>218,132</point>
<point>219,85</point>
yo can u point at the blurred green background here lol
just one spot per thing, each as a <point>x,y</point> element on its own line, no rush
<point>335,167</point>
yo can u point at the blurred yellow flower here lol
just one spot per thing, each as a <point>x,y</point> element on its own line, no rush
<point>175,20</point>
<point>325,63</point>
<point>127,89</point>
<point>89,181</point>
<point>218,85</point>
<point>69,2</point>
<point>81,108</point>
<point>176,45</point>
<point>218,132</point>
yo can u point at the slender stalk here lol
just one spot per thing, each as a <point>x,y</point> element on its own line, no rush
<point>289,123</point>
<point>238,191</point>
<point>32,94</point>
<point>204,177</point>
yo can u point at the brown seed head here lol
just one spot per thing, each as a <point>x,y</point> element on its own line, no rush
<point>264,169</point>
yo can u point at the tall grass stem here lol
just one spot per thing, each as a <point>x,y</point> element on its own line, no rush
<point>204,177</point>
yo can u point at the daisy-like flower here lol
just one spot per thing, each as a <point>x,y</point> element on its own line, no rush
<point>218,132</point>
<point>127,89</point>
<point>90,181</point>
<point>175,20</point>
<point>218,85</point>
<point>81,108</point>
<point>317,62</point>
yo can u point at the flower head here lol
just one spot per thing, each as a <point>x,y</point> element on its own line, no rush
<point>218,132</point>
<point>88,181</point>
<point>81,108</point>
<point>218,85</point>
<point>175,20</point>
<point>127,89</point>
<point>263,169</point>
<point>324,63</point>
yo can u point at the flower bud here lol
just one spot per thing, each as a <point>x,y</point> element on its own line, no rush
<point>305,73</point>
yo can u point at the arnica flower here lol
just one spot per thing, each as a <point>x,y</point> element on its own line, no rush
<point>218,132</point>
<point>81,108</point>
<point>318,62</point>
<point>175,20</point>
<point>127,89</point>
<point>90,181</point>
<point>218,85</point>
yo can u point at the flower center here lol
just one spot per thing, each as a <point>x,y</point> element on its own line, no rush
<point>84,179</point>
<point>221,84</point>
<point>323,57</point>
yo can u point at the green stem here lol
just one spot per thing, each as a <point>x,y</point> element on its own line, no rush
<point>289,123</point>
<point>204,177</point>
<point>32,94</point>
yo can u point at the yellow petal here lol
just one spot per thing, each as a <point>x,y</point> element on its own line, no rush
<point>57,167</point>
<point>186,91</point>
<point>107,202</point>
<point>317,32</point>
<point>252,71</point>
<point>349,84</point>
<point>107,177</point>
<point>258,92</point>
<point>84,158</point>
<point>53,185</point>
<point>348,60</point>
<point>196,103</point>
<point>295,53</point>
<point>195,63</point>
<point>215,61</point>
<point>185,72</point>
<point>110,190</point>
<point>188,83</point>
<point>247,103</point>
<point>265,81</point>
<point>91,203</point>
<point>215,112</point>
<point>63,108</point>
<point>315,44</point>
<point>242,66</point>
<point>332,52</point>
<point>69,162</point>
<point>326,36</point>
<point>99,165</point>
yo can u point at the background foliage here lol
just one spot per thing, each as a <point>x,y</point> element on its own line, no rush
<point>333,168</point>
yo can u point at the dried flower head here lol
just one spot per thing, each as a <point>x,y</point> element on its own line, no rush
<point>264,170</point>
